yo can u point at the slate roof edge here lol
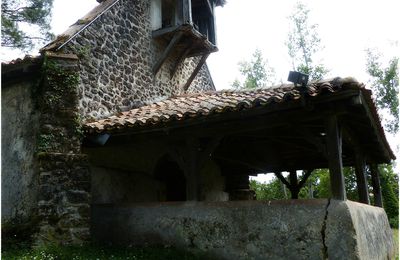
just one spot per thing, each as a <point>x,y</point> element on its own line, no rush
<point>79,26</point>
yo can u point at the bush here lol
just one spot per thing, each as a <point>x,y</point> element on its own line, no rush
<point>394,222</point>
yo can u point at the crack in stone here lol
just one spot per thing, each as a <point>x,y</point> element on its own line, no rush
<point>323,234</point>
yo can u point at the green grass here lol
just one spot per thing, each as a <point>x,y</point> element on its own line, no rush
<point>96,253</point>
<point>396,242</point>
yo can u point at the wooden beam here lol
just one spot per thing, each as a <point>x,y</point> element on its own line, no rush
<point>334,145</point>
<point>195,71</point>
<point>191,155</point>
<point>307,174</point>
<point>376,185</point>
<point>282,179</point>
<point>177,37</point>
<point>362,183</point>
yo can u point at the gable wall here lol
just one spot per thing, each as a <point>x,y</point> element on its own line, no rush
<point>117,53</point>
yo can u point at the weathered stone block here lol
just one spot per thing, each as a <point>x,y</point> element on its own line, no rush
<point>293,229</point>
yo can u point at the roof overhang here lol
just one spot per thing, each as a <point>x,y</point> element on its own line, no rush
<point>275,128</point>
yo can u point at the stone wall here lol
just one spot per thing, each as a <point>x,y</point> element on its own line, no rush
<point>64,177</point>
<point>19,131</point>
<point>117,53</point>
<point>291,229</point>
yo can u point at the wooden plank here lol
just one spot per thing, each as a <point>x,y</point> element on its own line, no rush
<point>167,52</point>
<point>195,71</point>
<point>334,145</point>
<point>362,183</point>
<point>376,185</point>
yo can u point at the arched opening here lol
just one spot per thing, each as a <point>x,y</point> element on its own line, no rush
<point>173,179</point>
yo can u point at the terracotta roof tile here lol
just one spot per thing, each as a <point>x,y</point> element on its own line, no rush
<point>204,104</point>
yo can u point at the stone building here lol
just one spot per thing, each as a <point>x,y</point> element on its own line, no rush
<point>115,134</point>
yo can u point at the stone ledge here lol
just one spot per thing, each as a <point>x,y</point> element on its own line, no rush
<point>292,229</point>
<point>358,231</point>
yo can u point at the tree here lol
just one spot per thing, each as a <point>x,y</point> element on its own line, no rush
<point>272,190</point>
<point>17,13</point>
<point>390,193</point>
<point>257,73</point>
<point>303,43</point>
<point>385,86</point>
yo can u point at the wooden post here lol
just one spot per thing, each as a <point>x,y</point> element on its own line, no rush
<point>191,157</point>
<point>186,11</point>
<point>334,145</point>
<point>294,189</point>
<point>362,184</point>
<point>376,185</point>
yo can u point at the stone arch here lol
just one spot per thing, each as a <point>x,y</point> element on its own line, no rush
<point>168,172</point>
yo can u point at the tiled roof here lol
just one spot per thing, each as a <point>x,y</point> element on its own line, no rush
<point>27,60</point>
<point>205,104</point>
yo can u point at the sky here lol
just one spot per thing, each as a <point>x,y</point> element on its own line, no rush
<point>346,28</point>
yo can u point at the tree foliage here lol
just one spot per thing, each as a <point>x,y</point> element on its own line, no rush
<point>268,191</point>
<point>257,72</point>
<point>385,84</point>
<point>303,43</point>
<point>390,193</point>
<point>22,13</point>
<point>320,180</point>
